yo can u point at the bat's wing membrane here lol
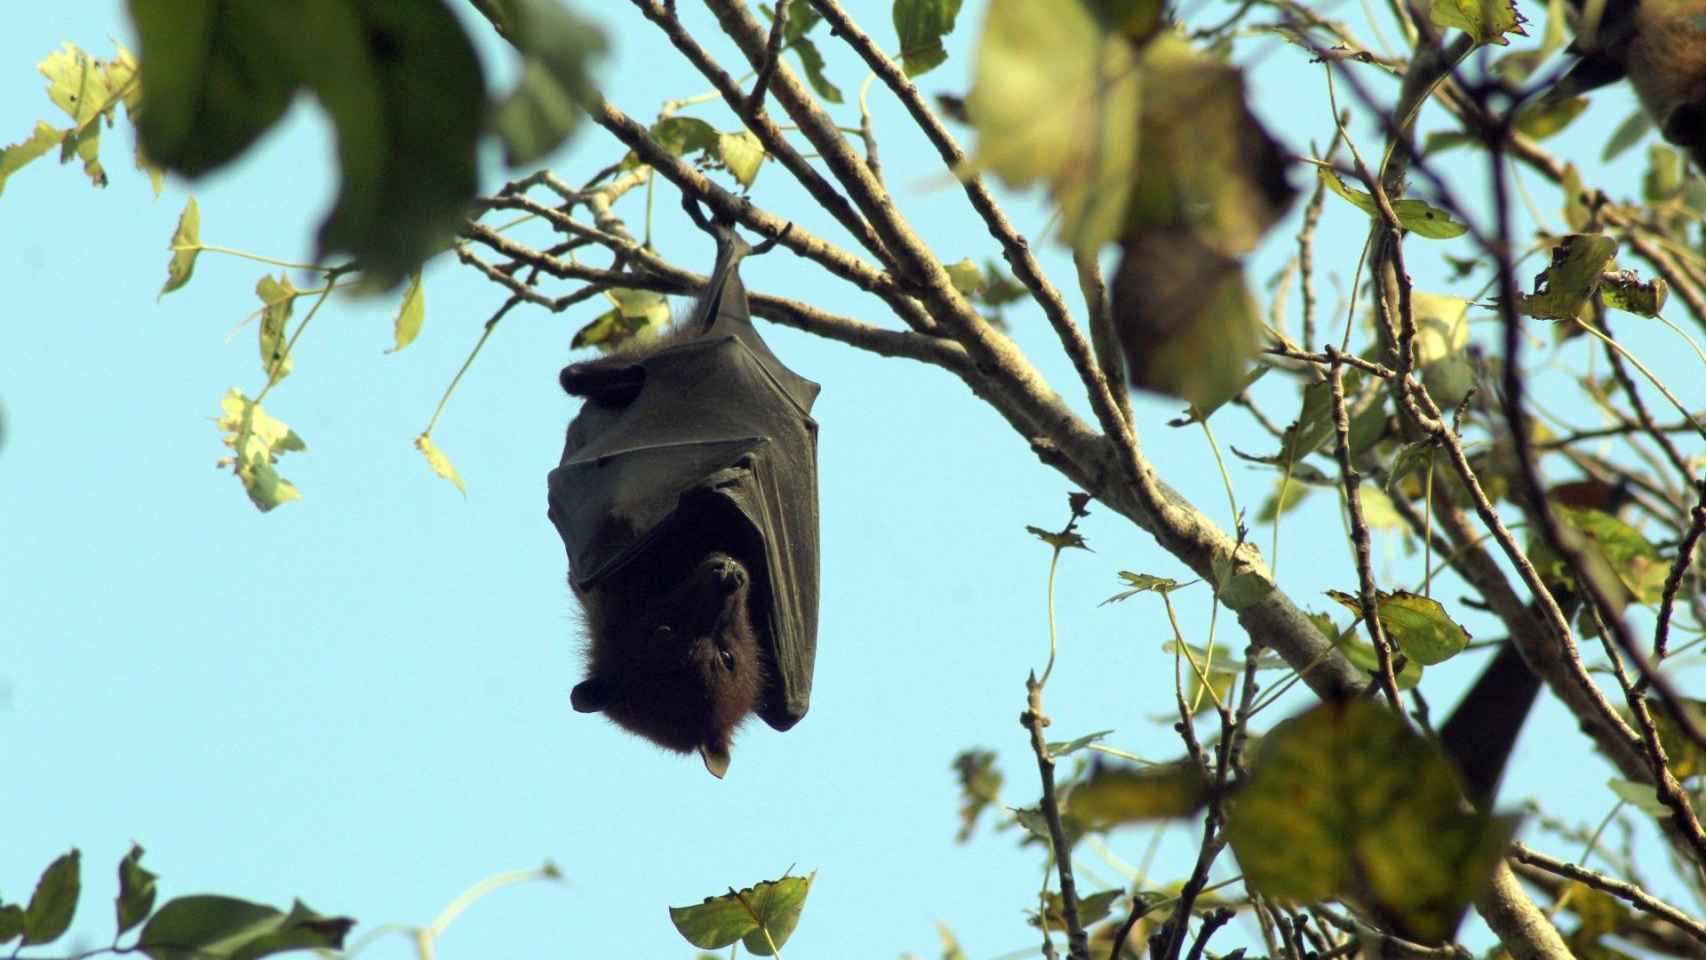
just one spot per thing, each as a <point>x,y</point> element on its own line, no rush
<point>718,431</point>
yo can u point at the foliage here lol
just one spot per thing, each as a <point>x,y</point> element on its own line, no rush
<point>1135,120</point>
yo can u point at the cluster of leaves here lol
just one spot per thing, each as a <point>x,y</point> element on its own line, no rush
<point>202,927</point>
<point>400,83</point>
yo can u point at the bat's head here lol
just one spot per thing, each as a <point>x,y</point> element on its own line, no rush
<point>672,653</point>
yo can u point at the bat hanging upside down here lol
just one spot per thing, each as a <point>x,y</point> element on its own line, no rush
<point>687,499</point>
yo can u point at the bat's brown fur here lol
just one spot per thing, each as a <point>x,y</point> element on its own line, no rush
<point>671,651</point>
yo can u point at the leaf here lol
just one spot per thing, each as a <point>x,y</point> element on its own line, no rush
<point>1224,661</point>
<point>1487,21</point>
<point>1361,653</point>
<point>1417,625</point>
<point>1563,289</point>
<point>1065,540</point>
<point>741,153</point>
<point>558,51</point>
<point>225,928</point>
<point>1663,179</point>
<point>1642,796</point>
<point>1615,548</point>
<point>1442,326</point>
<point>278,296</point>
<point>1065,748</point>
<point>1344,800</point>
<point>399,81</point>
<point>1625,290</point>
<point>811,61</point>
<point>1137,583</point>
<point>185,245</point>
<point>1576,212</point>
<point>1420,218</point>
<point>980,786</point>
<point>1119,794</point>
<point>54,901</point>
<point>1377,509</point>
<point>11,922</point>
<point>1055,98</point>
<point>136,890</point>
<point>1185,318</point>
<point>684,136</point>
<point>81,85</point>
<point>257,440</point>
<point>772,906</point>
<point>1091,909</point>
<point>439,462</point>
<point>411,313</point>
<point>966,276</point>
<point>1627,134</point>
<point>1543,118</point>
<point>1236,589</point>
<point>921,25</point>
<point>14,156</point>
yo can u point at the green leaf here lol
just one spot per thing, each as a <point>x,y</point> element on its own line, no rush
<point>278,296</point>
<point>1635,562</point>
<point>1625,290</point>
<point>811,61</point>
<point>558,50</point>
<point>1576,212</point>
<point>439,462</point>
<point>1663,179</point>
<point>1236,589</point>
<point>1544,118</point>
<point>185,245</point>
<point>741,153</point>
<point>1091,909</point>
<point>1137,583</point>
<point>1442,326</point>
<point>980,787</point>
<point>15,156</point>
<point>1487,21</point>
<point>773,906</point>
<point>1420,218</point>
<point>411,313</point>
<point>1344,800</point>
<point>1418,625</point>
<point>257,440</point>
<point>1065,748</point>
<point>136,890</point>
<point>82,86</point>
<point>1068,540</point>
<point>1118,794</point>
<point>1361,653</point>
<point>1056,98</point>
<point>1224,661</point>
<point>11,922</point>
<point>215,75</point>
<point>1377,509</point>
<point>224,928</point>
<point>683,136</point>
<point>637,316</point>
<point>1284,498</point>
<point>1642,796</point>
<point>921,25</point>
<point>1563,289</point>
<point>1627,134</point>
<point>54,901</point>
<point>966,276</point>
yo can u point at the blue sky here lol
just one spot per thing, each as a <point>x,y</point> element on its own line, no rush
<point>361,699</point>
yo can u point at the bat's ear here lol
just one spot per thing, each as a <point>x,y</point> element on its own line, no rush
<point>716,758</point>
<point>592,695</point>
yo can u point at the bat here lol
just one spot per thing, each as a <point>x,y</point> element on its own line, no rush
<point>686,497</point>
<point>1660,47</point>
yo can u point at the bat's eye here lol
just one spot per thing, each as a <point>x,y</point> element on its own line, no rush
<point>727,658</point>
<point>661,633</point>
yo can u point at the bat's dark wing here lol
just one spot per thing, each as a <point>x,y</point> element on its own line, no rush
<point>718,435</point>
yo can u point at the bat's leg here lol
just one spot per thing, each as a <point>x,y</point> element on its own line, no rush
<point>616,385</point>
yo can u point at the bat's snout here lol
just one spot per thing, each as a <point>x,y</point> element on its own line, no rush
<point>726,572</point>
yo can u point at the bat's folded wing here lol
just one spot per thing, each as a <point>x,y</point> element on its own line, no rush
<point>714,438</point>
